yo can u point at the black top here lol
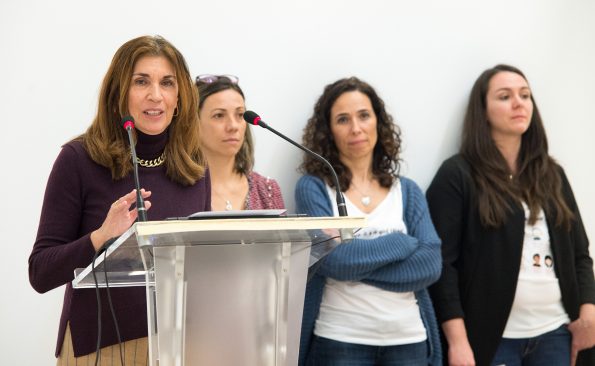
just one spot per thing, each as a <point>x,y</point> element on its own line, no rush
<point>481,265</point>
<point>78,196</point>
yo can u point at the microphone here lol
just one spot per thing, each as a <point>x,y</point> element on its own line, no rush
<point>253,118</point>
<point>128,124</point>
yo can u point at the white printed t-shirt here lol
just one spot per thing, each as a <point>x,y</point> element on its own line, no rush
<point>537,306</point>
<point>353,312</point>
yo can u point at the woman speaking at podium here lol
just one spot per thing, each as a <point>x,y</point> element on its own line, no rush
<point>88,196</point>
<point>227,145</point>
<point>368,303</point>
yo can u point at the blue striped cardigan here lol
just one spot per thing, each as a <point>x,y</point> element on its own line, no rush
<point>394,262</point>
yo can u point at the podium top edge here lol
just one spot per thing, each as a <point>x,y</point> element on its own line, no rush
<point>248,224</point>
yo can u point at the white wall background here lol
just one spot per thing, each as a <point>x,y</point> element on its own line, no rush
<point>422,56</point>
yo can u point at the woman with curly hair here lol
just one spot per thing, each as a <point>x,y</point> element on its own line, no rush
<point>368,302</point>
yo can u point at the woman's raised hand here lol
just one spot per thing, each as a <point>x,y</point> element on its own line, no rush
<point>119,218</point>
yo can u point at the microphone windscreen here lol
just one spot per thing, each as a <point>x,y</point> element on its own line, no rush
<point>127,121</point>
<point>251,117</point>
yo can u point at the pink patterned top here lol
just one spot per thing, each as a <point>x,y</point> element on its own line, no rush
<point>264,193</point>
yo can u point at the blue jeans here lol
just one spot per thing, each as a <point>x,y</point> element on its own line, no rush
<point>327,352</point>
<point>552,348</point>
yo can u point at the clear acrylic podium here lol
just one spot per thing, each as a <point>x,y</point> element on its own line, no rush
<point>223,292</point>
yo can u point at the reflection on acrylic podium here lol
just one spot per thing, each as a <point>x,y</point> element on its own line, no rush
<point>222,292</point>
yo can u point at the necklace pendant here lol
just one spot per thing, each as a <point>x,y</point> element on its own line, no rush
<point>366,200</point>
<point>228,206</point>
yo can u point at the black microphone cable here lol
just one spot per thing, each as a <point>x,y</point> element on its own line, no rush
<point>128,125</point>
<point>98,295</point>
<point>103,250</point>
<point>111,307</point>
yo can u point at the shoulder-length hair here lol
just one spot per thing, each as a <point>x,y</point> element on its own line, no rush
<point>538,181</point>
<point>244,159</point>
<point>106,141</point>
<point>319,138</point>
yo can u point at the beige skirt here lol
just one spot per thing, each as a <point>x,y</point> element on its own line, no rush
<point>136,353</point>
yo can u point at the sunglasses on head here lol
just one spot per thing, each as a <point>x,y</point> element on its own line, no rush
<point>208,78</point>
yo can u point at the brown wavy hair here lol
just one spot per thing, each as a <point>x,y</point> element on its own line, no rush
<point>244,159</point>
<point>538,181</point>
<point>319,138</point>
<point>107,142</point>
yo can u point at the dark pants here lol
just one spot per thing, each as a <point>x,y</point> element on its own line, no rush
<point>552,348</point>
<point>327,352</point>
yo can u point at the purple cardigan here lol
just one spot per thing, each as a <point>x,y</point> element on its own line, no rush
<point>77,198</point>
<point>264,194</point>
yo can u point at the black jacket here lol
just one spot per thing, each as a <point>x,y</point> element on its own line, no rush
<point>481,265</point>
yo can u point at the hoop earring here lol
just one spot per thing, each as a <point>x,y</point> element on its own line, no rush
<point>176,112</point>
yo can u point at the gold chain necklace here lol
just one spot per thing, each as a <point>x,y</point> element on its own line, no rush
<point>151,163</point>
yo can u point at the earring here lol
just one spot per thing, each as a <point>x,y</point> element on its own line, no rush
<point>176,111</point>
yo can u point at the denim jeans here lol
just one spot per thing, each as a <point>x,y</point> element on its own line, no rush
<point>327,352</point>
<point>552,348</point>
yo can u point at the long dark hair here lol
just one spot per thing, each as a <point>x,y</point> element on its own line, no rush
<point>244,159</point>
<point>538,181</point>
<point>318,137</point>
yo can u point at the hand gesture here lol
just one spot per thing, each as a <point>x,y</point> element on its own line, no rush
<point>119,218</point>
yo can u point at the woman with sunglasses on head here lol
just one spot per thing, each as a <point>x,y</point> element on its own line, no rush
<point>88,199</point>
<point>368,302</point>
<point>502,206</point>
<point>227,144</point>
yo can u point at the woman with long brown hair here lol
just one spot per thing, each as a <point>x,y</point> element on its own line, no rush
<point>88,196</point>
<point>501,206</point>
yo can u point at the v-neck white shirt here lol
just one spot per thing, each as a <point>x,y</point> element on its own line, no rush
<point>354,312</point>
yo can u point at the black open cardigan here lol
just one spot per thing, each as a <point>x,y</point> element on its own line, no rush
<point>481,265</point>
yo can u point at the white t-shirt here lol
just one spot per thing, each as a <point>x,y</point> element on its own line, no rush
<point>354,312</point>
<point>537,306</point>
